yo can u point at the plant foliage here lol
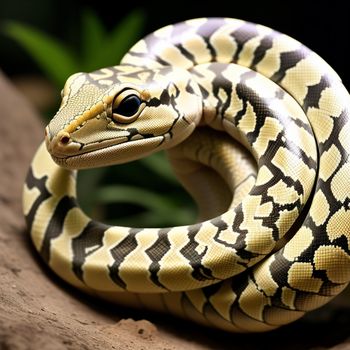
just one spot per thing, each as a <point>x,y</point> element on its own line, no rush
<point>98,49</point>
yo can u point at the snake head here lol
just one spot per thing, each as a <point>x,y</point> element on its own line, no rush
<point>111,117</point>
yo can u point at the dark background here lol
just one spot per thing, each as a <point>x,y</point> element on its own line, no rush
<point>322,26</point>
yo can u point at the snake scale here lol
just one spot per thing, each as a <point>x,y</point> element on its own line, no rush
<point>256,127</point>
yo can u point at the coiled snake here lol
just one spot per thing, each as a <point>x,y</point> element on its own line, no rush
<point>274,238</point>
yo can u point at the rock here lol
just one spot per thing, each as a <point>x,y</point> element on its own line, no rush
<point>39,311</point>
<point>38,90</point>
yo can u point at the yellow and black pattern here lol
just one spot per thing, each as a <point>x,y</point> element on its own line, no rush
<point>275,237</point>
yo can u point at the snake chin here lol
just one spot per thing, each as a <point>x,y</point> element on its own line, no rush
<point>59,161</point>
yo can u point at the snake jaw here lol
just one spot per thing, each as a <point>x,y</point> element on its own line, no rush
<point>110,155</point>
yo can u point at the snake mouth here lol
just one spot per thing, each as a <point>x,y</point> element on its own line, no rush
<point>68,152</point>
<point>122,152</point>
<point>118,150</point>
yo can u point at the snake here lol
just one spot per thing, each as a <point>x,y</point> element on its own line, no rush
<point>256,128</point>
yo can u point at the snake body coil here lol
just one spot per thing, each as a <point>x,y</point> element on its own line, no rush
<point>275,237</point>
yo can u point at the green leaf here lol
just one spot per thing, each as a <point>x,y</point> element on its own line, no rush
<point>133,195</point>
<point>119,40</point>
<point>160,210</point>
<point>52,56</point>
<point>145,219</point>
<point>156,219</point>
<point>88,180</point>
<point>93,37</point>
<point>126,33</point>
<point>159,165</point>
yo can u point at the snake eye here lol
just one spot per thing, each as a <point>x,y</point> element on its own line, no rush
<point>126,107</point>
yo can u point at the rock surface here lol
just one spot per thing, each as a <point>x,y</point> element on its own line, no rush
<point>39,311</point>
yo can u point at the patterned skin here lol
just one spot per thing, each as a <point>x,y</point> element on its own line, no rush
<point>259,259</point>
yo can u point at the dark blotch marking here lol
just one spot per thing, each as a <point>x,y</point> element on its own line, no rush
<point>91,236</point>
<point>165,97</point>
<point>179,30</point>
<point>207,29</point>
<point>279,269</point>
<point>243,34</point>
<point>260,107</point>
<point>154,102</point>
<point>55,226</point>
<point>40,184</point>
<point>161,61</point>
<point>260,51</point>
<point>211,290</point>
<point>239,283</point>
<point>187,54</point>
<point>219,223</point>
<point>199,272</point>
<point>189,88</point>
<point>240,244</point>
<point>314,93</point>
<point>156,253</point>
<point>220,82</point>
<point>280,94</point>
<point>288,60</point>
<point>120,252</point>
<point>204,92</point>
<point>133,131</point>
